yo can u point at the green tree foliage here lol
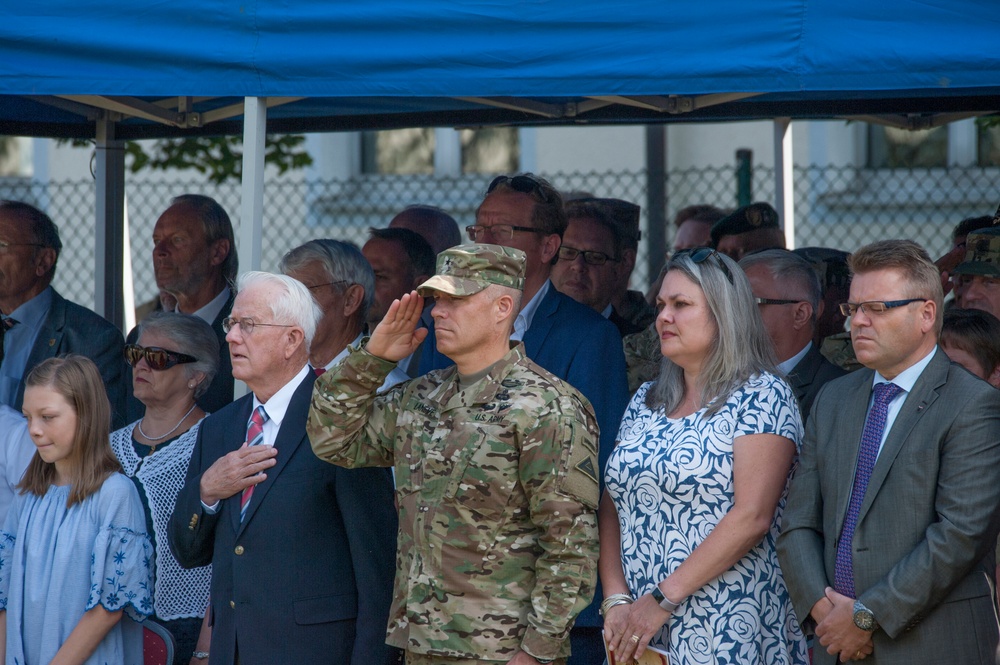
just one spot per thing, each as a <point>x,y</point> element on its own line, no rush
<point>218,157</point>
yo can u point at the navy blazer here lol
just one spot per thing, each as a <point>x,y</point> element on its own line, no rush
<point>307,576</point>
<point>584,349</point>
<point>70,328</point>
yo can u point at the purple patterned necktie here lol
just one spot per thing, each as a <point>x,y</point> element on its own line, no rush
<point>871,438</point>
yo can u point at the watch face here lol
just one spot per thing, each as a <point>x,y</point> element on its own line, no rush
<point>864,619</point>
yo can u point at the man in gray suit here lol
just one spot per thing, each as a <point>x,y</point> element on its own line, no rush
<point>892,512</point>
<point>790,299</point>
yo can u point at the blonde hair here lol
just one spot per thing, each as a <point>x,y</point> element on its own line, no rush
<point>741,347</point>
<point>923,278</point>
<point>91,459</point>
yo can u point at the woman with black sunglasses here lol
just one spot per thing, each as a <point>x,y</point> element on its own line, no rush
<point>173,363</point>
<point>695,485</point>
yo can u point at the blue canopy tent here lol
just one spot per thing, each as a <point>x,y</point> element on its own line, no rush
<point>117,71</point>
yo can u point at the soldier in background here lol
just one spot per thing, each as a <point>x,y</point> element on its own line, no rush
<point>496,471</point>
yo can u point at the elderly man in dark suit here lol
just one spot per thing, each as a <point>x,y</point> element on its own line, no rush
<point>37,323</point>
<point>302,552</point>
<point>892,517</point>
<point>790,299</point>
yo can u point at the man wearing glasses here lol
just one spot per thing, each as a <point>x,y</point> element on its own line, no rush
<point>790,300</point>
<point>591,261</point>
<point>568,339</point>
<point>36,322</point>
<point>301,551</point>
<point>891,520</point>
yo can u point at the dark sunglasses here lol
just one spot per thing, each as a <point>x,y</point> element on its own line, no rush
<point>525,184</point>
<point>157,358</point>
<point>702,254</point>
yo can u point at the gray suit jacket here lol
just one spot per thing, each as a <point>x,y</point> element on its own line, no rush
<point>928,524</point>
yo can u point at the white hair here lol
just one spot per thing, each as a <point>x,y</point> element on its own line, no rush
<point>297,307</point>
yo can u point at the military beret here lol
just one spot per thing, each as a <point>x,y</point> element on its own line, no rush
<point>748,218</point>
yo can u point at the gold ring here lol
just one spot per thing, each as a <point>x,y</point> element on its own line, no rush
<point>635,639</point>
<point>859,656</point>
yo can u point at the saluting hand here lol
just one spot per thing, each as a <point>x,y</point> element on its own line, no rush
<point>397,335</point>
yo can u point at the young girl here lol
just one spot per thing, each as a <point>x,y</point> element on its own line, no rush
<point>74,555</point>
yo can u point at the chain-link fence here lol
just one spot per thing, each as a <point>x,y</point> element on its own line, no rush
<point>843,207</point>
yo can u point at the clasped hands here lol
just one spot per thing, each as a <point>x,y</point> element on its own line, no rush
<point>628,628</point>
<point>835,629</point>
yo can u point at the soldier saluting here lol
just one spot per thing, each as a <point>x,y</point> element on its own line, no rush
<point>496,471</point>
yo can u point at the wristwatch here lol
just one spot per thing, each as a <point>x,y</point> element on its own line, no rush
<point>663,601</point>
<point>864,618</point>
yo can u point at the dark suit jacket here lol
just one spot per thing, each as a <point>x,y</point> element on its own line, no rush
<point>307,576</point>
<point>584,349</point>
<point>220,391</point>
<point>70,328</point>
<point>925,535</point>
<point>808,376</point>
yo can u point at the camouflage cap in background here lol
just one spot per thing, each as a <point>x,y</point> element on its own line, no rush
<point>755,216</point>
<point>468,269</point>
<point>982,253</point>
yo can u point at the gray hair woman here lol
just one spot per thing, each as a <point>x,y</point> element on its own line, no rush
<point>696,483</point>
<point>173,363</point>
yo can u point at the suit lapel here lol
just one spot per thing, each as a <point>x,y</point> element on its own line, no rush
<point>541,323</point>
<point>925,392</point>
<point>803,374</point>
<point>855,410</point>
<point>290,437</point>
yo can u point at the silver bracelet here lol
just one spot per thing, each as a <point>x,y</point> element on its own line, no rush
<point>200,655</point>
<point>614,600</point>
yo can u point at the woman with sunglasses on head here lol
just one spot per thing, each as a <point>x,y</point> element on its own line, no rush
<point>173,363</point>
<point>696,484</point>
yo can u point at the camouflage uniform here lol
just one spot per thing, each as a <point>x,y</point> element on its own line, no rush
<point>497,490</point>
<point>642,357</point>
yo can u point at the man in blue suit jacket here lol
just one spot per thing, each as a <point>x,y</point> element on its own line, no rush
<point>568,339</point>
<point>43,324</point>
<point>303,573</point>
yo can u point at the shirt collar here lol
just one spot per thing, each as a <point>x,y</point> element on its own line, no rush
<point>30,314</point>
<point>278,404</point>
<point>787,366</point>
<point>527,313</point>
<point>908,377</point>
<point>212,308</point>
<point>343,352</point>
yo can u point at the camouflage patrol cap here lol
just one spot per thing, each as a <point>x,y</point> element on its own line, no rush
<point>468,269</point>
<point>982,253</point>
<point>755,216</point>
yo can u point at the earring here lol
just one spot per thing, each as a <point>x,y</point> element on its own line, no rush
<point>190,386</point>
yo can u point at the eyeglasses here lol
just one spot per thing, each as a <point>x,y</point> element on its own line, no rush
<point>5,246</point>
<point>316,286</point>
<point>247,325</point>
<point>590,258</point>
<point>501,232</point>
<point>526,184</point>
<point>702,254</point>
<point>158,359</point>
<point>776,301</point>
<point>875,306</point>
